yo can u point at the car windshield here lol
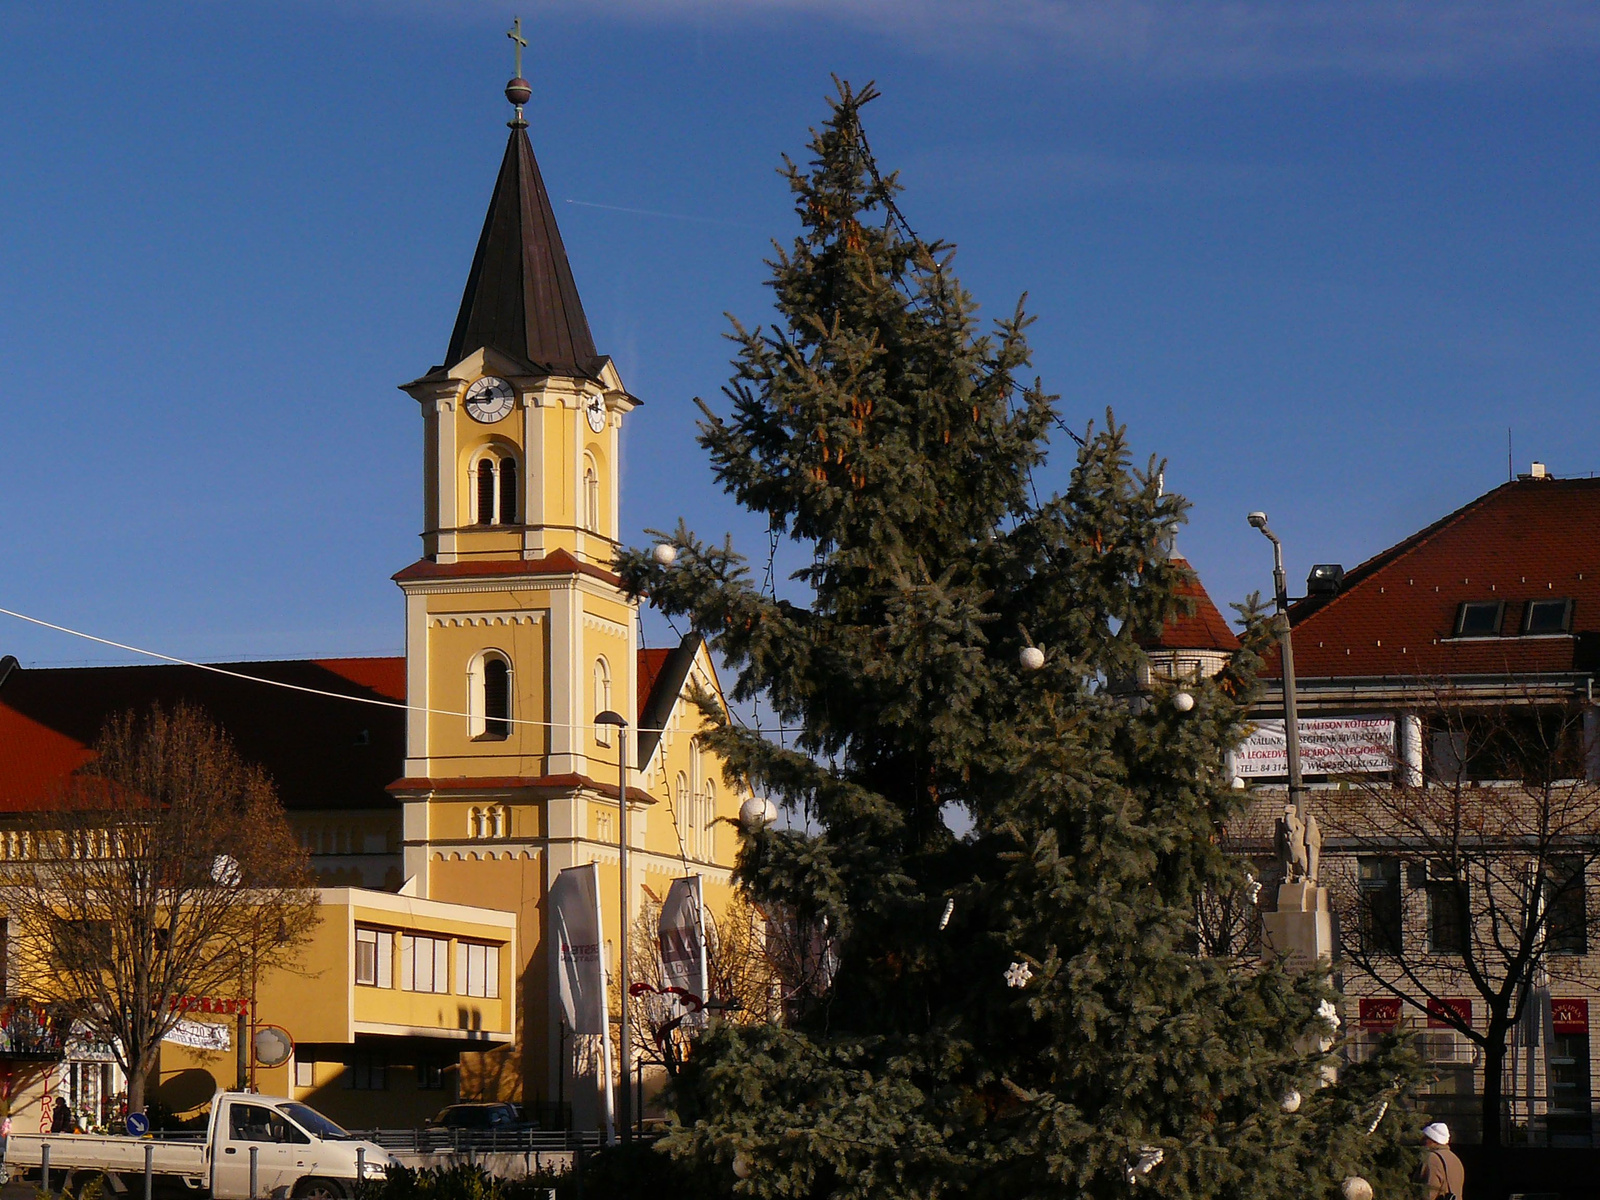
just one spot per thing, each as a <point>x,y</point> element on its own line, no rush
<point>315,1123</point>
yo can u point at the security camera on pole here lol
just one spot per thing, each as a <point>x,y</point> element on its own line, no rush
<point>1301,930</point>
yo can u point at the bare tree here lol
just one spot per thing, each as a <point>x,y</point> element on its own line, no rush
<point>744,983</point>
<point>167,869</point>
<point>1470,880</point>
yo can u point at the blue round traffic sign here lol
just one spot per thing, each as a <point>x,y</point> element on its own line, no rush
<point>138,1124</point>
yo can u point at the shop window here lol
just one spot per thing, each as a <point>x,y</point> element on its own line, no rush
<point>477,970</point>
<point>375,958</point>
<point>424,963</point>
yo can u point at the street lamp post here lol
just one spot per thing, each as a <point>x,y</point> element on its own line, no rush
<point>1291,720</point>
<point>624,913</point>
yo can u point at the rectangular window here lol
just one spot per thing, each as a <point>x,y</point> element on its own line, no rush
<point>1380,905</point>
<point>1566,907</point>
<point>366,1071</point>
<point>305,1073</point>
<point>1547,616</point>
<point>375,957</point>
<point>430,1073</point>
<point>477,970</point>
<point>424,963</point>
<point>1479,618</point>
<point>1448,918</point>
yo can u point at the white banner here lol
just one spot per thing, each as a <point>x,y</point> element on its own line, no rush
<point>683,949</point>
<point>1328,746</point>
<point>200,1035</point>
<point>575,925</point>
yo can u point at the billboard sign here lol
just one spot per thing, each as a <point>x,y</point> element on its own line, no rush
<point>1328,746</point>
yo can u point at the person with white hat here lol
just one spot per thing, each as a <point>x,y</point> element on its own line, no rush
<point>1442,1175</point>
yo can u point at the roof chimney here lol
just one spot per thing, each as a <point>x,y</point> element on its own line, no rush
<point>8,664</point>
<point>1537,471</point>
<point>1325,579</point>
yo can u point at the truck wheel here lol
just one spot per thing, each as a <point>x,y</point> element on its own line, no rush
<point>319,1189</point>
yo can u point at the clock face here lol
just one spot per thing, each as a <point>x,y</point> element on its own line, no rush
<point>489,399</point>
<point>596,409</point>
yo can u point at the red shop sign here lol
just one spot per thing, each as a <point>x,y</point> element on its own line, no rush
<point>1439,1013</point>
<point>1380,1012</point>
<point>1570,1016</point>
<point>211,1004</point>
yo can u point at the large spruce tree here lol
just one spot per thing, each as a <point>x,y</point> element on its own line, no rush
<point>878,428</point>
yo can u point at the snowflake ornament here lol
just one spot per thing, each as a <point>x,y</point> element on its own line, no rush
<point>1149,1159</point>
<point>1018,974</point>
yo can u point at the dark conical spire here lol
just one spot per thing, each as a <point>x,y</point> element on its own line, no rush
<point>520,298</point>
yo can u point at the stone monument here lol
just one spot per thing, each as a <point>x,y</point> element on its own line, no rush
<point>1301,931</point>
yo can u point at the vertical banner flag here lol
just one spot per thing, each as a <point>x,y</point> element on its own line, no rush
<point>581,975</point>
<point>575,921</point>
<point>682,931</point>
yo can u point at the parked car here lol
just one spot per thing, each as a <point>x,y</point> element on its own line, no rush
<point>482,1114</point>
<point>254,1146</point>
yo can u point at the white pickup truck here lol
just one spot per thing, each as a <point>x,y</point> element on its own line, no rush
<point>291,1148</point>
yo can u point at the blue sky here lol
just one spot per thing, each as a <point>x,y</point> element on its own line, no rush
<point>1319,255</point>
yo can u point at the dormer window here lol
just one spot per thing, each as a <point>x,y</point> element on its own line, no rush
<point>1547,616</point>
<point>1479,618</point>
<point>494,482</point>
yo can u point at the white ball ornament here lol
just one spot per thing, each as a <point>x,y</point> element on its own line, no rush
<point>1290,1101</point>
<point>1183,702</point>
<point>1032,658</point>
<point>743,1168</point>
<point>665,553</point>
<point>1237,783</point>
<point>756,813</point>
<point>1355,1188</point>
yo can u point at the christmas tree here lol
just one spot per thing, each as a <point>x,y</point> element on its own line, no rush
<point>1020,1010</point>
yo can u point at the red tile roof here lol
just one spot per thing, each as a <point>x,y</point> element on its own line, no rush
<point>650,664</point>
<point>1204,629</point>
<point>557,562</point>
<point>1395,614</point>
<point>322,752</point>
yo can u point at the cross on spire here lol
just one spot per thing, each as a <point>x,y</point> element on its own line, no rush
<point>515,34</point>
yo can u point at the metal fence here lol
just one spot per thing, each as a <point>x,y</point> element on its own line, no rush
<point>472,1142</point>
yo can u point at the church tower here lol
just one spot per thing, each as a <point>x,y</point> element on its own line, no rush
<point>517,631</point>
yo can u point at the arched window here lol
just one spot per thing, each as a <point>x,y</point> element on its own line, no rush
<point>497,816</point>
<point>475,823</point>
<point>708,824</point>
<point>682,804</point>
<point>591,495</point>
<point>508,491</point>
<point>486,491</point>
<point>496,698</point>
<point>602,699</point>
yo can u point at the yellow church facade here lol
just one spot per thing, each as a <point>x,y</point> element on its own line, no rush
<point>518,634</point>
<point>451,823</point>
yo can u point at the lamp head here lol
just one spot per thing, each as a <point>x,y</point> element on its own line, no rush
<point>611,718</point>
<point>1258,520</point>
